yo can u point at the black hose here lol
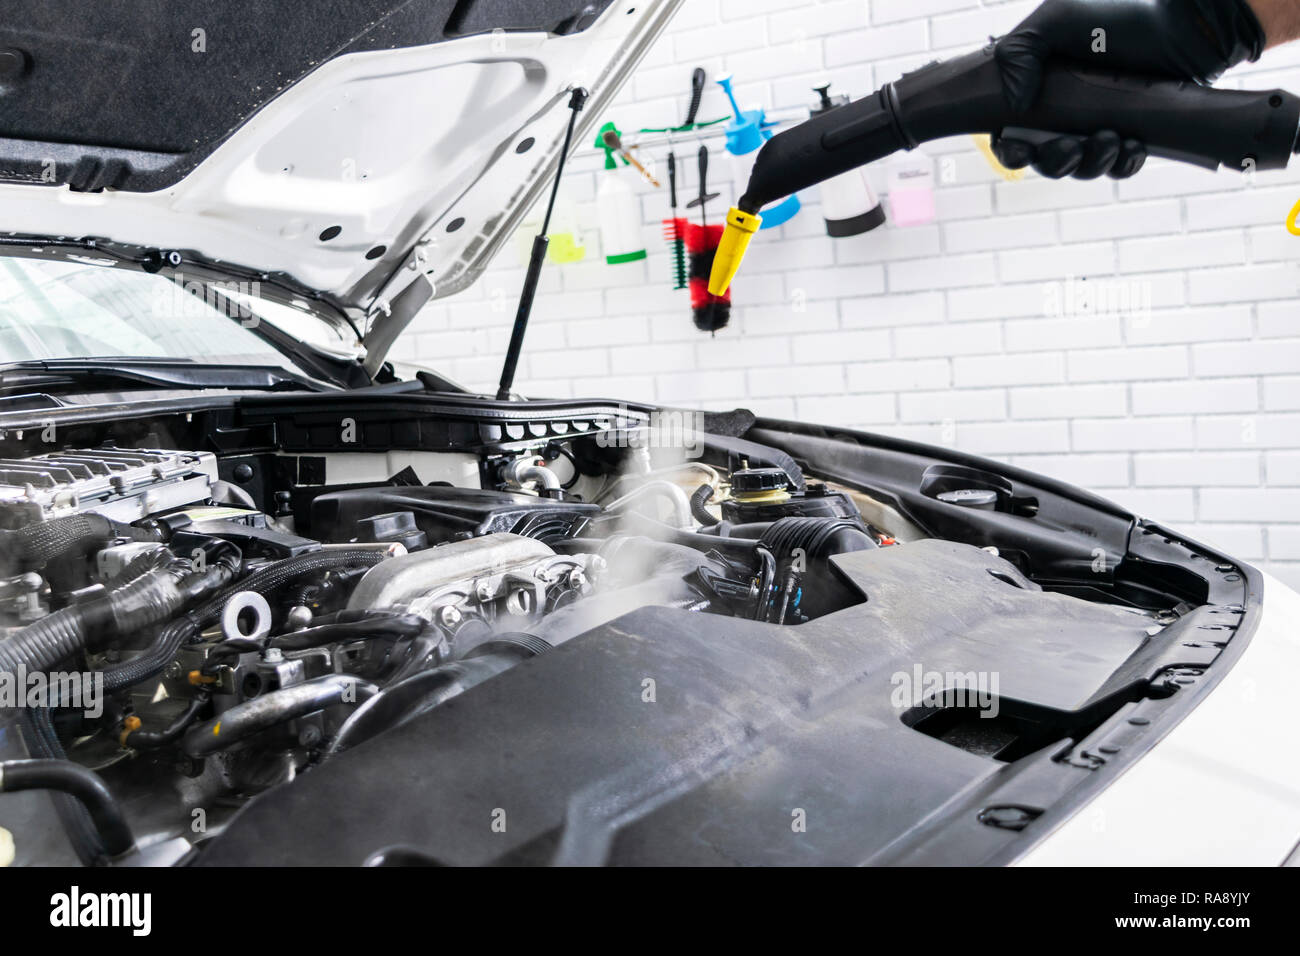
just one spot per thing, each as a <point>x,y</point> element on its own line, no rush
<point>158,655</point>
<point>64,776</point>
<point>37,544</point>
<point>153,739</point>
<point>41,645</point>
<point>816,537</point>
<point>187,628</point>
<point>698,500</point>
<point>739,548</point>
<point>271,578</point>
<point>229,650</point>
<point>42,741</point>
<point>353,625</point>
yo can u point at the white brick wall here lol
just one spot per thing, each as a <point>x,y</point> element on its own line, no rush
<point>1189,414</point>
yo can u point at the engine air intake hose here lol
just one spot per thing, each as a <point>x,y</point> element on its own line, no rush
<point>815,537</point>
<point>802,546</point>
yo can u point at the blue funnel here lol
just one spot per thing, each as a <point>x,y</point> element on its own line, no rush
<point>746,133</point>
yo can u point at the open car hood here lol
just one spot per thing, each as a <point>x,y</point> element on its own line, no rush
<point>372,153</point>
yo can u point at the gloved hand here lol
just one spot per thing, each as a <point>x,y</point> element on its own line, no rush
<point>1181,39</point>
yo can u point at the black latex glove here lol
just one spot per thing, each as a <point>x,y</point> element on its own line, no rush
<point>1181,39</point>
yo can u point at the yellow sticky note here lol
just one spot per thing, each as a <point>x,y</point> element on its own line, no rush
<point>565,247</point>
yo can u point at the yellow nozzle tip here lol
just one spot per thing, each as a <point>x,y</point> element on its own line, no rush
<point>731,248</point>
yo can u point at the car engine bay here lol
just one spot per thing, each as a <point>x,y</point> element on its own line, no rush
<point>246,618</point>
<point>322,615</point>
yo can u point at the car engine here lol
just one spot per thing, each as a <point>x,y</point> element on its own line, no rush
<point>235,633</point>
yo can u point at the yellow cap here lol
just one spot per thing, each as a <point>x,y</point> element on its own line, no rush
<point>731,248</point>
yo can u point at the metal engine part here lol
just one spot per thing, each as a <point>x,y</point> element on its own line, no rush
<point>124,484</point>
<point>500,576</point>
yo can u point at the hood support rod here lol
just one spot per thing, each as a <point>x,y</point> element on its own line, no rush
<point>540,243</point>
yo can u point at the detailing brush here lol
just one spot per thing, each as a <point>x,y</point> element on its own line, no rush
<point>613,141</point>
<point>675,229</point>
<point>711,312</point>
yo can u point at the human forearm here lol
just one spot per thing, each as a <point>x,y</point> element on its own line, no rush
<point>1279,18</point>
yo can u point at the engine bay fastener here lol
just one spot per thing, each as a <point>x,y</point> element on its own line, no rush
<point>129,726</point>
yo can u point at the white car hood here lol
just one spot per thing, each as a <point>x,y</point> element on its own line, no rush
<point>379,179</point>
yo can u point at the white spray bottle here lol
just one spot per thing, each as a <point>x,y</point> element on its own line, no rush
<point>849,206</point>
<point>621,235</point>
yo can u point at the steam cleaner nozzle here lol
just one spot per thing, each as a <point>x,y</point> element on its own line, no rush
<point>741,226</point>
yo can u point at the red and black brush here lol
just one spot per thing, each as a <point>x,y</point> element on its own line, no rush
<point>711,312</point>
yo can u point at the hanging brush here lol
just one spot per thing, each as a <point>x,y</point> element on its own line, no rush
<point>711,312</point>
<point>675,229</point>
<point>613,141</point>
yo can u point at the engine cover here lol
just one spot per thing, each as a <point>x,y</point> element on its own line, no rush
<point>747,726</point>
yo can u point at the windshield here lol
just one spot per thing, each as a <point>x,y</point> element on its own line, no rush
<point>69,310</point>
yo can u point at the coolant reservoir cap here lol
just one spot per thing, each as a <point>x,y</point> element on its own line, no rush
<point>980,498</point>
<point>758,481</point>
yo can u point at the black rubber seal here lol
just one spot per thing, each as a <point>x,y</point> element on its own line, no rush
<point>856,225</point>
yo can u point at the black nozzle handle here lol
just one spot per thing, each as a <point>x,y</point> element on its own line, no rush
<point>698,77</point>
<point>1207,127</point>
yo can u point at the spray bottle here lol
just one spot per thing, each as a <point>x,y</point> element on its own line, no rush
<point>849,206</point>
<point>619,210</point>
